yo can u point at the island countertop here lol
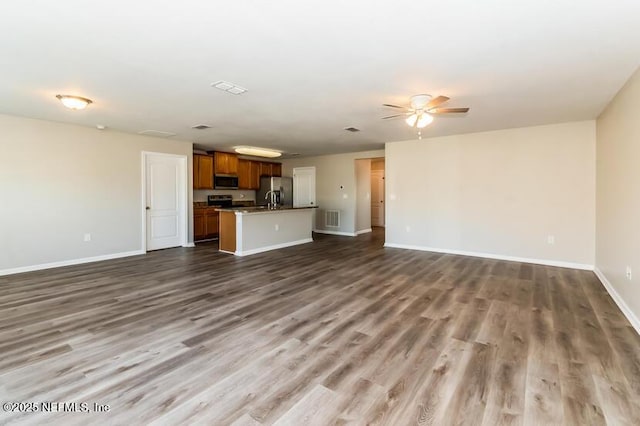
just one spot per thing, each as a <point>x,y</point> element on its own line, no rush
<point>261,209</point>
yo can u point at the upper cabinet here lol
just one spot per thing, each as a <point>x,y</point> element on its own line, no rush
<point>255,175</point>
<point>226,164</point>
<point>270,169</point>
<point>202,171</point>
<point>244,174</point>
<point>265,169</point>
<point>248,174</point>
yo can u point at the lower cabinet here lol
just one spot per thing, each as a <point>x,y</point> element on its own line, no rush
<point>205,223</point>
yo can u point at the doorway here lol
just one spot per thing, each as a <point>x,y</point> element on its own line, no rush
<point>164,198</point>
<point>377,192</point>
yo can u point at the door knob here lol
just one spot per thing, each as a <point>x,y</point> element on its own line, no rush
<point>148,208</point>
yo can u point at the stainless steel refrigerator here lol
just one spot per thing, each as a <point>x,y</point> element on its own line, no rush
<point>280,187</point>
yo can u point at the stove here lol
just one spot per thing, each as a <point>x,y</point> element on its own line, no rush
<point>220,200</point>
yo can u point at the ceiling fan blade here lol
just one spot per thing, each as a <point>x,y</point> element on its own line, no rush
<point>394,106</point>
<point>394,116</point>
<point>435,102</point>
<point>448,110</point>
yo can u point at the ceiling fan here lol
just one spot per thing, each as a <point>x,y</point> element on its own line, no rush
<point>423,108</point>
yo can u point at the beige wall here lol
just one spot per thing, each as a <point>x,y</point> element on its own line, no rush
<point>335,185</point>
<point>60,181</point>
<point>500,193</point>
<point>618,196</point>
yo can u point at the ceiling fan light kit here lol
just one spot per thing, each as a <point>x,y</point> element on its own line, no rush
<point>421,110</point>
<point>420,120</point>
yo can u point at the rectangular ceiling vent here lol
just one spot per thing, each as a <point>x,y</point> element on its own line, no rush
<point>225,86</point>
<point>332,218</point>
<point>201,126</point>
<point>352,129</point>
<point>156,133</point>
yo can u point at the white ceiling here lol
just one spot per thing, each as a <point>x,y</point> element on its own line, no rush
<point>314,67</point>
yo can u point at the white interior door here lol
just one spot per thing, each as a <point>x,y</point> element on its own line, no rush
<point>304,186</point>
<point>377,198</point>
<point>165,195</point>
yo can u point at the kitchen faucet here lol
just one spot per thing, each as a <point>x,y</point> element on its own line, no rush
<point>272,203</point>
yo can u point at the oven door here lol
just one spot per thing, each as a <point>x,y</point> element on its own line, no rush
<point>226,182</point>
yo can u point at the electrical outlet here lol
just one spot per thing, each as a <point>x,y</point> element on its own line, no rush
<point>345,196</point>
<point>277,227</point>
<point>628,274</point>
<point>551,239</point>
<point>408,228</point>
<point>87,238</point>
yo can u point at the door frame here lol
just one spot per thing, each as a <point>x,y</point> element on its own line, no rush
<point>184,195</point>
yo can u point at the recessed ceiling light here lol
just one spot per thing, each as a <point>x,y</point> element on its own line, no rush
<point>74,102</point>
<point>257,152</point>
<point>225,86</point>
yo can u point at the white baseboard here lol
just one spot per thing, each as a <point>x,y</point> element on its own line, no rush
<point>557,263</point>
<point>344,234</point>
<point>71,262</point>
<point>364,231</point>
<point>633,319</point>
<point>189,245</point>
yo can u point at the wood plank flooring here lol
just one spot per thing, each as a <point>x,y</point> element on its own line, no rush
<point>337,332</point>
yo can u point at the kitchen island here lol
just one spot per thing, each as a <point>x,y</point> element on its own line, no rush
<point>251,230</point>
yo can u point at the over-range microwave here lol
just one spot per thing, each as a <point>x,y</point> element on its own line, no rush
<point>225,182</point>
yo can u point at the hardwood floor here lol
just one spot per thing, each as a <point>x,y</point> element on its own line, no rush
<point>340,331</point>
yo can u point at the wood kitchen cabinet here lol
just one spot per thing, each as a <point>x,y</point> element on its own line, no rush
<point>244,174</point>
<point>248,174</point>
<point>270,169</point>
<point>255,175</point>
<point>205,223</point>
<point>202,171</point>
<point>225,163</point>
<point>199,232</point>
<point>265,169</point>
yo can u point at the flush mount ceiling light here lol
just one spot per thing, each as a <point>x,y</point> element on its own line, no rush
<point>257,152</point>
<point>74,102</point>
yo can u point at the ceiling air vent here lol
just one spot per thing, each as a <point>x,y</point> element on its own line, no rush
<point>225,86</point>
<point>201,126</point>
<point>351,129</point>
<point>156,133</point>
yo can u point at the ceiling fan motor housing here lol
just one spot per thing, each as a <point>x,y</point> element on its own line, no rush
<point>419,101</point>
